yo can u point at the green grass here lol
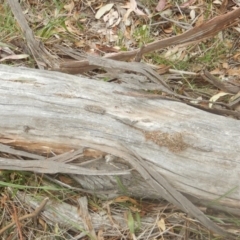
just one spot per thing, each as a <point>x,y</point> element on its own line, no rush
<point>32,183</point>
<point>142,35</point>
<point>8,26</point>
<point>51,28</point>
<point>209,57</point>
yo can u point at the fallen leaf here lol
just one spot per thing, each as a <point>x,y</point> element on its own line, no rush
<point>187,4</point>
<point>196,101</point>
<point>15,57</point>
<point>216,97</point>
<point>233,72</point>
<point>125,199</point>
<point>117,22</point>
<point>161,224</point>
<point>6,49</point>
<point>101,11</point>
<point>225,65</point>
<point>69,7</point>
<point>111,18</point>
<point>217,2</point>
<point>236,56</point>
<point>80,43</point>
<point>43,224</point>
<point>200,20</point>
<point>167,13</point>
<point>3,200</point>
<point>192,14</point>
<point>66,180</point>
<point>168,30</point>
<point>162,69</point>
<point>217,71</point>
<point>132,7</point>
<point>133,4</point>
<point>139,12</point>
<point>176,53</point>
<point>107,49</point>
<point>161,5</point>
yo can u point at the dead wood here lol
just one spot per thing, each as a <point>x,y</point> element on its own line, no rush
<point>111,222</point>
<point>199,33</point>
<point>151,133</point>
<point>67,216</point>
<point>225,87</point>
<point>42,57</point>
<point>186,150</point>
<point>85,215</point>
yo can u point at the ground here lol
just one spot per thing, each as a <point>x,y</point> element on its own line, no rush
<point>102,28</point>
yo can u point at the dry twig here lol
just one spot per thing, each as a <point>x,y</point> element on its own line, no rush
<point>30,215</point>
<point>42,57</point>
<point>171,194</point>
<point>198,33</point>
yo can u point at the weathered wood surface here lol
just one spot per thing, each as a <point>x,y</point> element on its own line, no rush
<point>197,152</point>
<point>67,216</point>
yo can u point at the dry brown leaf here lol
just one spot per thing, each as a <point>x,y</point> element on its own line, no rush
<point>200,20</point>
<point>225,65</point>
<point>42,223</point>
<point>161,225</point>
<point>69,7</point>
<point>217,71</point>
<point>125,199</point>
<point>80,43</point>
<point>187,4</point>
<point>168,30</point>
<point>162,69</point>
<point>234,72</point>
<point>65,179</point>
<point>236,57</point>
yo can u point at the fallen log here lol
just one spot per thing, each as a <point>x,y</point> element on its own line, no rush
<point>172,145</point>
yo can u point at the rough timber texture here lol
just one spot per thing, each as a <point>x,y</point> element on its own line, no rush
<point>197,152</point>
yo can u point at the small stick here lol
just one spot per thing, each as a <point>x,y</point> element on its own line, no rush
<point>15,217</point>
<point>138,56</point>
